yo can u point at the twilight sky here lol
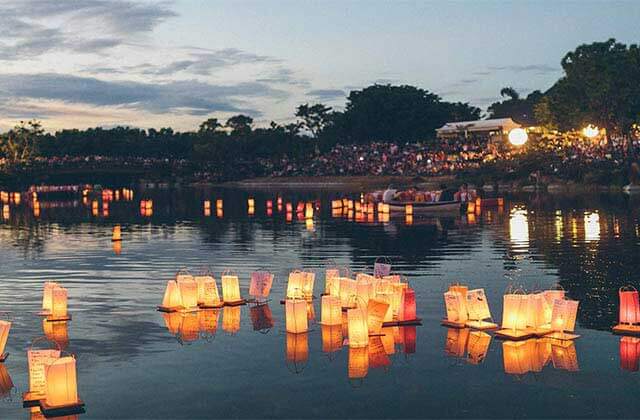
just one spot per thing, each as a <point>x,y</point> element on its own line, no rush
<point>154,63</point>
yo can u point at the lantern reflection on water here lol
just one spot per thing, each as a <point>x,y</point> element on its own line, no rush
<point>331,338</point>
<point>358,362</point>
<point>57,332</point>
<point>261,317</point>
<point>388,341</point>
<point>358,327</point>
<point>296,315</point>
<point>172,321</point>
<point>231,289</point>
<point>6,384</point>
<point>456,342</point>
<point>477,347</point>
<point>5,327</point>
<point>629,353</point>
<point>564,355</point>
<point>629,311</point>
<point>189,327</point>
<point>231,319</point>
<point>377,355</point>
<point>208,321</point>
<point>409,335</point>
<point>297,351</point>
<point>117,233</point>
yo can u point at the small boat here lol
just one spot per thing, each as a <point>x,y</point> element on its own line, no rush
<point>426,206</point>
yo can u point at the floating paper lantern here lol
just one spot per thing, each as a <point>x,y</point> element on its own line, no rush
<point>456,309</point>
<point>563,318</point>
<point>260,285</point>
<point>347,291</point>
<point>381,268</point>
<point>358,365</point>
<point>231,319</point>
<point>208,296</point>
<point>296,315</point>
<point>534,312</point>
<point>117,233</point>
<point>251,202</point>
<point>407,311</point>
<point>396,297</point>
<point>478,310</point>
<point>297,351</point>
<point>376,313</point>
<point>514,315</point>
<point>331,338</point>
<point>47,297</point>
<point>336,204</point>
<point>364,287</point>
<point>456,342</point>
<point>629,306</point>
<point>171,300</point>
<point>358,328</point>
<point>37,361</point>
<point>188,295</point>
<point>208,321</point>
<point>62,385</point>
<point>307,285</point>
<point>629,353</point>
<point>331,310</point>
<point>477,347</point>
<point>550,296</point>
<point>387,298</point>
<point>295,285</point>
<point>5,327</point>
<point>332,281</point>
<point>289,208</point>
<point>308,213</point>
<point>261,318</point>
<point>59,308</point>
<point>231,289</point>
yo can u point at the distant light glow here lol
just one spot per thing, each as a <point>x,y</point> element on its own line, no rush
<point>590,131</point>
<point>592,227</point>
<point>518,136</point>
<point>519,228</point>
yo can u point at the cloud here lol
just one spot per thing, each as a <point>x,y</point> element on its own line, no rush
<point>327,94</point>
<point>190,97</point>
<point>284,76</point>
<point>533,68</point>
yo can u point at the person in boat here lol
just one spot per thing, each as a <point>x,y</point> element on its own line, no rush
<point>389,194</point>
<point>447,194</point>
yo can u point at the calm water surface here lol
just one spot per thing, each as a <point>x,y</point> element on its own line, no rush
<point>131,365</point>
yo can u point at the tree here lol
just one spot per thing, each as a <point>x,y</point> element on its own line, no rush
<point>314,117</point>
<point>20,143</point>
<point>520,110</point>
<point>240,124</point>
<point>209,126</point>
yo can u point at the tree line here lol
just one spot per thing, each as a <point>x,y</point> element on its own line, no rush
<point>599,86</point>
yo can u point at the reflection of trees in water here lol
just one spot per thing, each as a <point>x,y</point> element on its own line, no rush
<point>28,237</point>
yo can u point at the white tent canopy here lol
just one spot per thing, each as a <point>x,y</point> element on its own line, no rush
<point>497,124</point>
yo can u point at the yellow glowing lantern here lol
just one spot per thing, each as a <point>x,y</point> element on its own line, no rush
<point>251,202</point>
<point>358,365</point>
<point>231,289</point>
<point>563,319</point>
<point>336,204</point>
<point>171,300</point>
<point>62,386</point>
<point>408,210</point>
<point>308,213</point>
<point>59,307</point>
<point>514,316</point>
<point>332,282</point>
<point>534,312</point>
<point>456,309</point>
<point>208,296</point>
<point>117,233</point>
<point>550,296</point>
<point>260,285</point>
<point>297,351</point>
<point>308,279</point>
<point>38,360</point>
<point>478,310</point>
<point>477,347</point>
<point>358,327</point>
<point>296,315</point>
<point>207,205</point>
<point>347,291</point>
<point>36,209</point>
<point>295,285</point>
<point>219,204</point>
<point>331,310</point>
<point>590,131</point>
<point>364,287</point>
<point>456,342</point>
<point>376,314</point>
<point>5,327</point>
<point>231,319</point>
<point>518,136</point>
<point>188,295</point>
<point>331,338</point>
<point>396,297</point>
<point>47,297</point>
<point>308,223</point>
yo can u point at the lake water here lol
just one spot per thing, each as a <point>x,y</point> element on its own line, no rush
<point>131,365</point>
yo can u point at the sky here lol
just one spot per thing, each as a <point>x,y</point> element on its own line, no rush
<point>175,63</point>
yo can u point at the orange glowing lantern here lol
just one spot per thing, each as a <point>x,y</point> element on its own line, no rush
<point>347,291</point>
<point>563,319</point>
<point>188,295</point>
<point>219,213</point>
<point>478,310</point>
<point>207,205</point>
<point>231,289</point>
<point>308,212</point>
<point>36,209</point>
<point>376,314</point>
<point>534,308</point>
<point>261,317</point>
<point>62,385</point>
<point>260,285</point>
<point>171,301</point>
<point>117,234</point>
<point>297,351</point>
<point>629,313</point>
<point>331,338</point>
<point>219,204</point>
<point>358,365</point>
<point>471,207</point>
<point>396,297</point>
<point>231,319</point>
<point>514,316</point>
<point>408,210</point>
<point>38,360</point>
<point>332,282</point>
<point>629,353</point>
<point>336,204</point>
<point>208,296</point>
<point>308,279</point>
<point>331,310</point>
<point>456,309</point>
<point>47,297</point>
<point>477,347</point>
<point>296,316</point>
<point>251,202</point>
<point>5,327</point>
<point>407,310</point>
<point>59,305</point>
<point>295,285</point>
<point>550,296</point>
<point>456,342</point>
<point>364,287</point>
<point>358,328</point>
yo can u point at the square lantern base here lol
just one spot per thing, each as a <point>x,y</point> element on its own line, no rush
<point>453,324</point>
<point>30,400</point>
<point>3,357</point>
<point>482,325</point>
<point>627,329</point>
<point>562,336</point>
<point>58,318</point>
<point>168,309</point>
<point>63,410</point>
<point>235,302</point>
<point>203,306</point>
<point>508,334</point>
<point>397,323</point>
